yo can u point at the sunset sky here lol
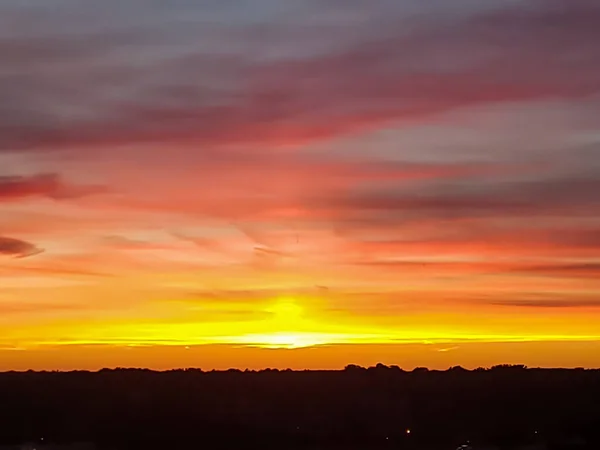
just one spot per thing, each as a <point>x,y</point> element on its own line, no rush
<point>306,184</point>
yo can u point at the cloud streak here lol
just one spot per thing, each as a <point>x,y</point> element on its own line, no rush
<point>566,303</point>
<point>42,185</point>
<point>18,248</point>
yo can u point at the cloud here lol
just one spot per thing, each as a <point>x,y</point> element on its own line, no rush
<point>125,243</point>
<point>249,190</point>
<point>447,349</point>
<point>269,252</point>
<point>581,270</point>
<point>257,296</point>
<point>42,185</point>
<point>565,303</point>
<point>18,248</point>
<point>532,297</point>
<point>27,308</point>
<point>203,243</point>
<point>490,238</point>
<point>27,186</point>
<point>55,269</point>
<point>572,194</point>
<point>211,74</point>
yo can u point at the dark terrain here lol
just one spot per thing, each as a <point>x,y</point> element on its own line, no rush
<point>354,408</point>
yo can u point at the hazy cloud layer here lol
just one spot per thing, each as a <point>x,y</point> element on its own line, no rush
<point>79,74</point>
<point>421,166</point>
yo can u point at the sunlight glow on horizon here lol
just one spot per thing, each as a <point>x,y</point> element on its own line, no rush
<point>287,325</point>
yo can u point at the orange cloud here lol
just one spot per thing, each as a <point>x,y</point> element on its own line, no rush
<point>18,248</point>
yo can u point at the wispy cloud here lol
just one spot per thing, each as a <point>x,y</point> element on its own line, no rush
<point>23,308</point>
<point>565,303</point>
<point>42,185</point>
<point>18,248</point>
<point>447,349</point>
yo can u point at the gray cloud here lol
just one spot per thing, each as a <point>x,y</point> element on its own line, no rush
<point>79,74</point>
<point>573,194</point>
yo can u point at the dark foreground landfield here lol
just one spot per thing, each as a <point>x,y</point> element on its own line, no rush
<point>379,407</point>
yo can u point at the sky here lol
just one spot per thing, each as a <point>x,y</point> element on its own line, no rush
<point>274,183</point>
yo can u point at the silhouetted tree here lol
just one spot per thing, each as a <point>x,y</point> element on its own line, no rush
<point>353,408</point>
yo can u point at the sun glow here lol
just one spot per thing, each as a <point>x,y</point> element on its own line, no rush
<point>291,326</point>
<point>286,311</point>
<point>283,340</point>
<point>286,321</point>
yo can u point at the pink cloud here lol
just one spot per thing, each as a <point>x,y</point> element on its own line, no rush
<point>520,52</point>
<point>42,185</point>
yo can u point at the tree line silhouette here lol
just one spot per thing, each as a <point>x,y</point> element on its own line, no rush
<point>377,407</point>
